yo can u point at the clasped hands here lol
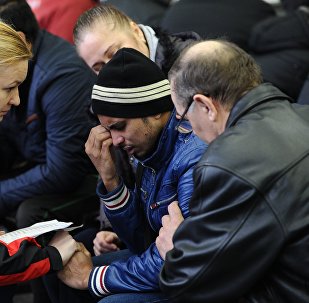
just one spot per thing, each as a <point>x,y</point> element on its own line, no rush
<point>77,270</point>
<point>76,260</point>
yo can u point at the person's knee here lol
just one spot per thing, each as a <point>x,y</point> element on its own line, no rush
<point>29,212</point>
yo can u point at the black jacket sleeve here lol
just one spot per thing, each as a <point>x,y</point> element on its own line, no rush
<point>219,252</point>
<point>24,259</point>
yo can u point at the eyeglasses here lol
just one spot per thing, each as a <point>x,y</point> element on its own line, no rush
<point>178,126</point>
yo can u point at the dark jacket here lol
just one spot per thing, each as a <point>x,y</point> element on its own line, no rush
<point>280,45</point>
<point>148,12</point>
<point>303,97</point>
<point>170,46</point>
<point>24,259</point>
<point>248,234</point>
<point>233,19</point>
<point>49,129</point>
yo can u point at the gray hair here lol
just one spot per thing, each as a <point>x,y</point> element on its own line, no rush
<point>224,73</point>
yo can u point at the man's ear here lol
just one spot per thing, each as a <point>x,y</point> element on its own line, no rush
<point>137,31</point>
<point>206,105</point>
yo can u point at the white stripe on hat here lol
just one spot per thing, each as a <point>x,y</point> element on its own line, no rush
<point>132,95</point>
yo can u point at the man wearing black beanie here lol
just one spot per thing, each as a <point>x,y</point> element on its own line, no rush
<point>132,99</point>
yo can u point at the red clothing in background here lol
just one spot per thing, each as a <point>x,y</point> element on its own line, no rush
<point>59,16</point>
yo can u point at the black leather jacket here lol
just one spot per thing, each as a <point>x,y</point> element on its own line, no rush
<point>247,239</point>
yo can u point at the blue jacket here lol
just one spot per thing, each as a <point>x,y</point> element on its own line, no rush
<point>167,176</point>
<point>49,129</point>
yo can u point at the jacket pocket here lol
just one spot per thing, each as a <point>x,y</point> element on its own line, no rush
<point>158,208</point>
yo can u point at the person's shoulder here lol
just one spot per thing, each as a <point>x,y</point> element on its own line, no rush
<point>184,36</point>
<point>54,51</point>
<point>189,147</point>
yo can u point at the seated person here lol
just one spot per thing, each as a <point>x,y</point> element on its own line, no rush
<point>101,31</point>
<point>98,34</point>
<point>280,45</point>
<point>23,259</point>
<point>247,236</point>
<point>45,172</point>
<point>133,103</point>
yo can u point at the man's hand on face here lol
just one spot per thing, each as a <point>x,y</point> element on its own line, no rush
<point>170,223</point>
<point>98,148</point>
<point>77,271</point>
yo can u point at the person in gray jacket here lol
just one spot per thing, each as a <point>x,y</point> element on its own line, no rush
<point>248,235</point>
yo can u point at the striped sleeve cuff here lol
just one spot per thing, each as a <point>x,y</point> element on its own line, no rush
<point>96,283</point>
<point>117,200</point>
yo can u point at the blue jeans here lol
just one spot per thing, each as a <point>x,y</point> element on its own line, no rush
<point>135,298</point>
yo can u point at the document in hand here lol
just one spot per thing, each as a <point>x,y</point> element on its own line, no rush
<point>36,230</point>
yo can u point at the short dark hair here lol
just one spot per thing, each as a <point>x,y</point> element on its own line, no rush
<point>19,15</point>
<point>225,74</point>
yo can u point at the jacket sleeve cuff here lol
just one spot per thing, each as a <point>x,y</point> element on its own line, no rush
<point>115,199</point>
<point>54,258</point>
<point>96,282</point>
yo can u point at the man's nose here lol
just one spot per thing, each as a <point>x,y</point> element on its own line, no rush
<point>117,139</point>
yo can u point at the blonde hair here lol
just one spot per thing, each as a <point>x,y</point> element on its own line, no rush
<point>104,12</point>
<point>13,48</point>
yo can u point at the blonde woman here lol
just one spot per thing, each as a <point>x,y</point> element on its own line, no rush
<point>14,56</point>
<point>23,259</point>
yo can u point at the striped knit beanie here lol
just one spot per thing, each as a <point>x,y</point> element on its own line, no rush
<point>131,86</point>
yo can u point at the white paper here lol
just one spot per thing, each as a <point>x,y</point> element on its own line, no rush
<point>36,230</point>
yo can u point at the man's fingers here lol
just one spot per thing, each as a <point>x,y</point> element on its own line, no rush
<point>174,210</point>
<point>81,248</point>
<point>97,136</point>
<point>165,220</point>
<point>112,238</point>
<point>96,251</point>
